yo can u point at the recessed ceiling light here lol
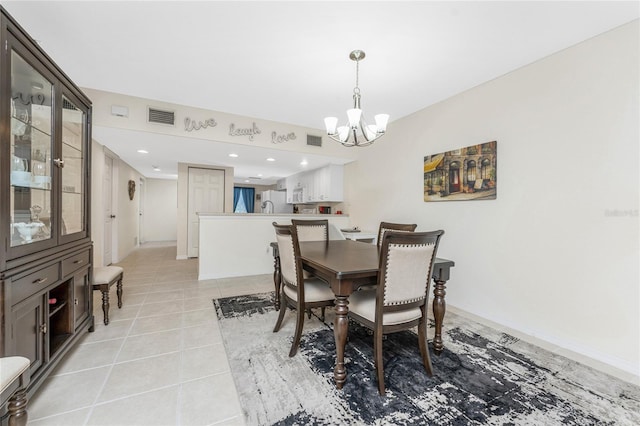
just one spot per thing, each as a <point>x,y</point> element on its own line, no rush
<point>271,159</point>
<point>233,155</point>
<point>143,151</point>
<point>247,180</point>
<point>303,163</point>
<point>259,174</point>
<point>156,168</point>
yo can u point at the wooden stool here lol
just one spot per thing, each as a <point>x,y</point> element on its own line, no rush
<point>14,379</point>
<point>103,278</point>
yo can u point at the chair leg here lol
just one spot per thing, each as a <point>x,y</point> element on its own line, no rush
<point>377,349</point>
<point>298,334</point>
<point>309,313</point>
<point>283,309</point>
<point>424,349</point>
<point>322,314</point>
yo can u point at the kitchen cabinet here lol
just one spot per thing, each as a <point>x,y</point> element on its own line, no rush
<point>320,185</point>
<point>328,183</point>
<point>281,184</point>
<point>46,254</point>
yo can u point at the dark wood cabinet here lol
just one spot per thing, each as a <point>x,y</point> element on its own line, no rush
<point>46,250</point>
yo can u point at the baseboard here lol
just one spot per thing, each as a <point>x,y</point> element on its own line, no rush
<point>602,362</point>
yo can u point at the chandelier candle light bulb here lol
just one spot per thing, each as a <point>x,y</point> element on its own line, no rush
<point>362,133</point>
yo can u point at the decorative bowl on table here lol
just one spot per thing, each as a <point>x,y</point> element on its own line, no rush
<point>28,230</point>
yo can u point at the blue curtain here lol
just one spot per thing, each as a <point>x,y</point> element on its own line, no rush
<point>237,194</point>
<point>249,198</point>
<point>243,199</point>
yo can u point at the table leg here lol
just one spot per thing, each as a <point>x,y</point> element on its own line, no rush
<point>439,307</point>
<point>277,280</point>
<point>340,330</point>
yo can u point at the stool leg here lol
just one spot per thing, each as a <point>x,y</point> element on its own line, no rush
<point>119,292</point>
<point>105,304</point>
<point>18,408</point>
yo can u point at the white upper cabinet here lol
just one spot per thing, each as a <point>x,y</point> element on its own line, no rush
<point>320,185</point>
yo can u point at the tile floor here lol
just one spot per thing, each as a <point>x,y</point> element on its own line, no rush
<point>160,361</point>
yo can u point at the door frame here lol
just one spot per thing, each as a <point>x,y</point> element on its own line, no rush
<point>114,209</point>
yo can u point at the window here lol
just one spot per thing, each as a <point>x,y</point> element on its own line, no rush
<point>485,169</point>
<point>243,199</point>
<point>471,171</point>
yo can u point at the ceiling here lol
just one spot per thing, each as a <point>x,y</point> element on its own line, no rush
<point>288,61</point>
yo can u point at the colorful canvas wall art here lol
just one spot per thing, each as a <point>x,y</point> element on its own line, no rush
<point>463,174</point>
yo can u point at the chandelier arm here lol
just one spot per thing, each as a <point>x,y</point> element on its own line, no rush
<point>363,129</point>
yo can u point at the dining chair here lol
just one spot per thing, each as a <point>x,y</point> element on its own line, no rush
<point>400,300</point>
<point>297,292</point>
<point>388,226</point>
<point>311,230</point>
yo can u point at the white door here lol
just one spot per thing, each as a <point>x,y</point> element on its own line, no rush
<point>206,194</point>
<point>107,191</point>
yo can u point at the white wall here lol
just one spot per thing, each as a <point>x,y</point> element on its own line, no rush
<point>556,255</point>
<point>160,210</point>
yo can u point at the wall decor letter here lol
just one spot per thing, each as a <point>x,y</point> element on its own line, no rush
<point>190,124</point>
<point>251,131</point>
<point>276,138</point>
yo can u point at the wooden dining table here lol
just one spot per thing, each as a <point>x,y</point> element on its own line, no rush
<point>347,265</point>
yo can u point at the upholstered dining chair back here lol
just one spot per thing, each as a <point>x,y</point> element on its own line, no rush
<point>406,260</point>
<point>311,230</point>
<point>388,226</point>
<point>287,250</point>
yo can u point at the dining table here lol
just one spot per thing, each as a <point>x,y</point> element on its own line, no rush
<point>346,266</point>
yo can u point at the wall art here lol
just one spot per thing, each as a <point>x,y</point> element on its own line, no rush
<point>468,173</point>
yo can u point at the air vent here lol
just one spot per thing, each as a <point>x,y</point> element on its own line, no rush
<point>68,105</point>
<point>161,117</point>
<point>314,140</point>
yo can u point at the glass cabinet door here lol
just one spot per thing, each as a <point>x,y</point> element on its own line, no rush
<point>31,146</point>
<point>73,190</point>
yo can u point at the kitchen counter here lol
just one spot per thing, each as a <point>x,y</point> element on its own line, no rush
<point>233,245</point>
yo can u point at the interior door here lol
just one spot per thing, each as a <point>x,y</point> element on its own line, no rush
<point>107,191</point>
<point>206,194</point>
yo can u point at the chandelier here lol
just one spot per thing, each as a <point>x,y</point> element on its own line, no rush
<point>356,132</point>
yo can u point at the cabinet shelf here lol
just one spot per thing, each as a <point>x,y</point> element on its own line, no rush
<point>56,308</point>
<point>28,125</point>
<point>39,186</point>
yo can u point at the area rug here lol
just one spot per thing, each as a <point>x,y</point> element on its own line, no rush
<point>483,377</point>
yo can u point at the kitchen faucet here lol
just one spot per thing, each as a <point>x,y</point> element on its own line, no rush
<point>264,206</point>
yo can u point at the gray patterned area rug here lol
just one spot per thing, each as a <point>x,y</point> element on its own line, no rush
<point>483,377</point>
